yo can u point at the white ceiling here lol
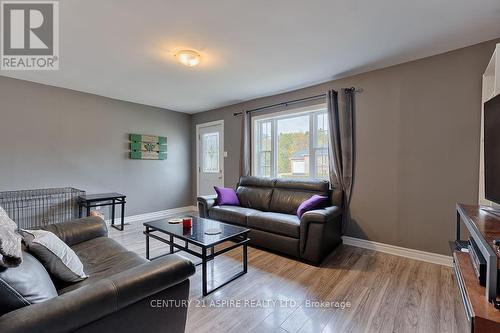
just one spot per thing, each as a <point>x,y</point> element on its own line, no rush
<point>123,48</point>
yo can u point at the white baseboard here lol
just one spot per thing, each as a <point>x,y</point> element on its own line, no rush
<point>366,244</point>
<point>400,251</point>
<point>155,215</point>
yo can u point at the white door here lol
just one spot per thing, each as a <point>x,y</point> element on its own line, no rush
<point>210,150</point>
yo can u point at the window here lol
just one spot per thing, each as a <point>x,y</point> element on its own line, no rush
<point>292,144</point>
<point>265,150</point>
<point>210,149</point>
<point>321,139</point>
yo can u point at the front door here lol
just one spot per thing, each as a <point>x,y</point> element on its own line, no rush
<point>210,150</point>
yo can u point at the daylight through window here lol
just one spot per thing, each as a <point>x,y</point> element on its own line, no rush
<point>292,144</point>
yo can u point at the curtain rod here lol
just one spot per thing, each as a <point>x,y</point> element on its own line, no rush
<point>287,103</point>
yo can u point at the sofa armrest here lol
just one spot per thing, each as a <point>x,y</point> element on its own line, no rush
<point>87,304</point>
<point>80,230</point>
<point>320,233</point>
<point>205,203</point>
<point>321,215</point>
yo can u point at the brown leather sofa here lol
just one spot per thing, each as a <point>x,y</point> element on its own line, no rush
<point>269,207</point>
<point>124,293</point>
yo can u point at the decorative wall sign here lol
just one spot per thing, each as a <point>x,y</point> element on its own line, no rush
<point>148,138</point>
<point>148,147</point>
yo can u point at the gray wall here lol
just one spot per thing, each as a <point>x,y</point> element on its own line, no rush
<point>417,138</point>
<point>417,134</point>
<point>51,137</point>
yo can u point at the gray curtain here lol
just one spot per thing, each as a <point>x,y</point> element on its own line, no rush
<point>341,125</point>
<point>245,146</point>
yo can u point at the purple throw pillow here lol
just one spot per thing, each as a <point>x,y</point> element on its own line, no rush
<point>314,202</point>
<point>226,196</point>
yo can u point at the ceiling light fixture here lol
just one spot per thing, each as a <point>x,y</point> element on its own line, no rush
<point>188,58</point>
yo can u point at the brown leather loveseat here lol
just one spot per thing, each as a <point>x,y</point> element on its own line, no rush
<point>124,293</point>
<point>269,208</point>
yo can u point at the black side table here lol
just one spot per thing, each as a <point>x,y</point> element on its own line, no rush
<point>103,200</point>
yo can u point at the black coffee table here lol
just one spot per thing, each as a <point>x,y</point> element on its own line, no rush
<point>196,235</point>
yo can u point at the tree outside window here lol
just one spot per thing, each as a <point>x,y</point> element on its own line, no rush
<point>292,144</point>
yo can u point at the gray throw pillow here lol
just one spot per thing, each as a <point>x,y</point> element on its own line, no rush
<point>59,259</point>
<point>26,284</point>
<point>10,242</point>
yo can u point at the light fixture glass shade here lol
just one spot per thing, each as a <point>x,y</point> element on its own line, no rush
<point>188,58</point>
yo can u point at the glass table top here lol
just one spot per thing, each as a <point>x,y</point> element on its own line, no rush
<point>197,233</point>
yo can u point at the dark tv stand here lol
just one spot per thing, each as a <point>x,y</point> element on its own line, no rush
<point>483,227</point>
<point>491,210</point>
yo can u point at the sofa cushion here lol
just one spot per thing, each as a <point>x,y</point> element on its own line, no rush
<point>288,201</point>
<point>79,230</point>
<point>231,214</point>
<point>288,194</point>
<point>255,192</point>
<point>320,187</point>
<point>277,223</point>
<point>256,181</point>
<point>254,197</point>
<point>26,284</point>
<point>101,258</point>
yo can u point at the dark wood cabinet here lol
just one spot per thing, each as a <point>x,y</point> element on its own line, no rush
<point>483,227</point>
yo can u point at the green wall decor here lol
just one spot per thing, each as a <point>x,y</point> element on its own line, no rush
<point>148,147</point>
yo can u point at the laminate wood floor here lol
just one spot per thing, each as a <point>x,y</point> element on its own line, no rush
<point>355,290</point>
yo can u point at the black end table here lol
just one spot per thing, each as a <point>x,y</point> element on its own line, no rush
<point>103,200</point>
<point>196,235</point>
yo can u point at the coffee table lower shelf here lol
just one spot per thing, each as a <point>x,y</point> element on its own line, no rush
<point>205,255</point>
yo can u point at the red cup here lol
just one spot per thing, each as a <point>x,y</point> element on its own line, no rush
<point>187,222</point>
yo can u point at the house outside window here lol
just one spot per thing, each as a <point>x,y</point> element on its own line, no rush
<point>291,144</point>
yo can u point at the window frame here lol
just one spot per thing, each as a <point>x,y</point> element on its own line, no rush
<point>258,153</point>
<point>272,118</point>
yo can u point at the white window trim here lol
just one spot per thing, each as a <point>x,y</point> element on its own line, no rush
<point>291,113</point>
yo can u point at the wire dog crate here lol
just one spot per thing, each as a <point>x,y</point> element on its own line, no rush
<point>35,208</point>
